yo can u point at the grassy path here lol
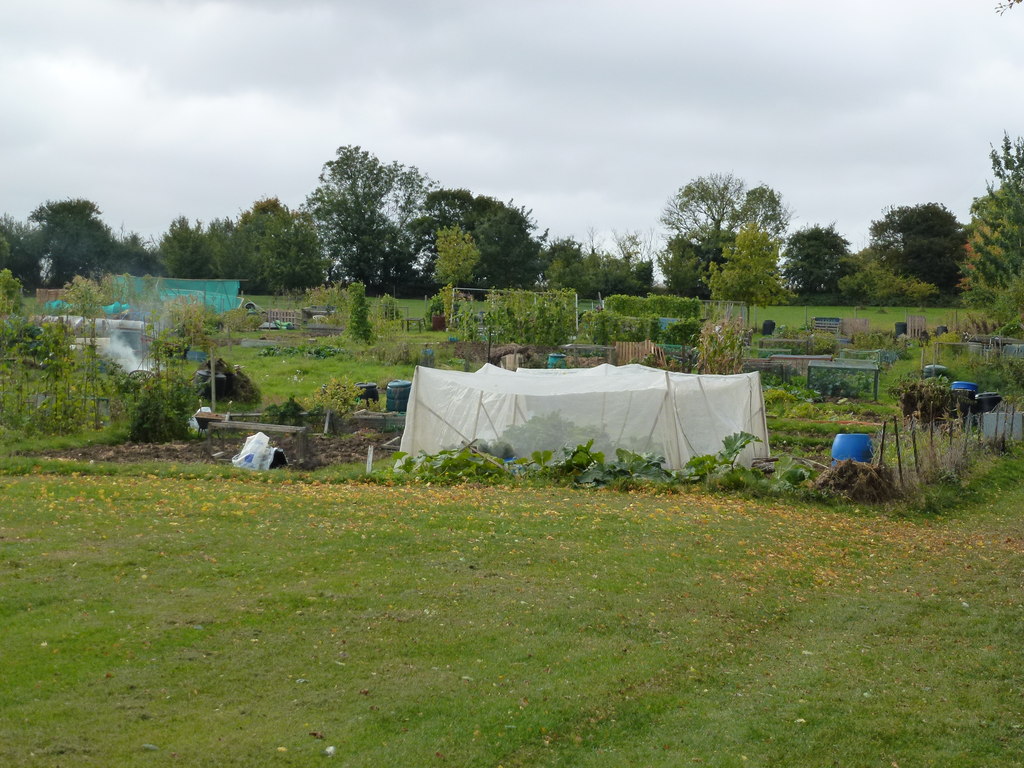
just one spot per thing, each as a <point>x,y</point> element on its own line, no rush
<point>148,621</point>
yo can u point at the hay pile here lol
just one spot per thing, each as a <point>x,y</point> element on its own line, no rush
<point>859,481</point>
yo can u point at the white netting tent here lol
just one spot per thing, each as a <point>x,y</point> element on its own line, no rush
<point>675,415</point>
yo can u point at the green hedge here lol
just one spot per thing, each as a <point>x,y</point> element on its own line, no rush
<point>654,306</point>
<point>685,332</point>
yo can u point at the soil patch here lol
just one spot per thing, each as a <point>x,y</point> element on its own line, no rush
<point>324,451</point>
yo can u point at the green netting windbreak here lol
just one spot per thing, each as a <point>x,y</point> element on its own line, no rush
<point>218,295</point>
<point>843,378</point>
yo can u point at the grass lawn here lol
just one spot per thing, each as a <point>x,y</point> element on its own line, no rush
<point>881,318</point>
<point>297,370</point>
<point>153,620</point>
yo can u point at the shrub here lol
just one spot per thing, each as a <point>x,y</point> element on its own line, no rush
<point>606,327</point>
<point>929,399</point>
<point>10,293</point>
<point>820,343</point>
<point>289,412</point>
<point>240,319</point>
<point>339,395</point>
<point>359,314</point>
<point>160,408</point>
<point>684,332</point>
<point>882,340</point>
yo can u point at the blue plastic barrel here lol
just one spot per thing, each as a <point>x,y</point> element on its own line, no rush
<point>968,387</point>
<point>398,395</point>
<point>556,360</point>
<point>847,445</point>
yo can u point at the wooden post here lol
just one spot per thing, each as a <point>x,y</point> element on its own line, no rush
<point>913,443</point>
<point>967,436</point>
<point>931,441</point>
<point>899,454</point>
<point>213,383</point>
<point>881,448</point>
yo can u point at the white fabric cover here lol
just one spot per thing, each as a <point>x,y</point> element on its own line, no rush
<point>675,415</point>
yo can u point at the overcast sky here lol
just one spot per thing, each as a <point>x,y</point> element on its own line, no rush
<point>592,113</point>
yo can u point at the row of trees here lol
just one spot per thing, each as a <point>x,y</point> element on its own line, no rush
<point>68,238</point>
<point>730,242</point>
<point>395,230</point>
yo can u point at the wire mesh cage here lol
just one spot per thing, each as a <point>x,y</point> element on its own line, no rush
<point>843,378</point>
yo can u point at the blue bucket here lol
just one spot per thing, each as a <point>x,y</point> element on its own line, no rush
<point>966,386</point>
<point>854,446</point>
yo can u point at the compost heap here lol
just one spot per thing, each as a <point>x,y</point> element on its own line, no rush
<point>859,481</point>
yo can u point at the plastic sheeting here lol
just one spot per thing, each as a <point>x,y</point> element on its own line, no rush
<point>674,415</point>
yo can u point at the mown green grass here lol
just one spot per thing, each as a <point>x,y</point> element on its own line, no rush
<point>219,620</point>
<point>298,371</point>
<point>300,376</point>
<point>881,318</point>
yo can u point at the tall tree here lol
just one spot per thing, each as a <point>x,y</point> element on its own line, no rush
<point>72,240</point>
<point>23,254</point>
<point>750,272</point>
<point>764,207</point>
<point>511,253</point>
<point>592,271</point>
<point>185,250</point>
<point>457,256</point>
<point>716,206</point>
<point>442,209</point>
<point>683,267</point>
<point>995,271</point>
<point>363,209</point>
<point>564,259</point>
<point>283,246</point>
<point>135,256</point>
<point>925,242</point>
<point>814,260</point>
<point>710,210</point>
<point>230,257</point>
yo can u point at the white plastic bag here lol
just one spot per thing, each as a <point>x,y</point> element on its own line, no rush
<point>255,454</point>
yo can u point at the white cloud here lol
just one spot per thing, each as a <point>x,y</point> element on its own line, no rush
<point>589,113</point>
